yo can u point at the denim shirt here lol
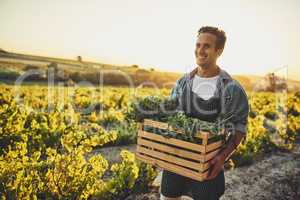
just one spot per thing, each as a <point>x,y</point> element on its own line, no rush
<point>232,95</point>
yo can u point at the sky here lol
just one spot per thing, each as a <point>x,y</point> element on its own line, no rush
<point>262,36</point>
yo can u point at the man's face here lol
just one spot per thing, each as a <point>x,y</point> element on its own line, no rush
<point>206,52</point>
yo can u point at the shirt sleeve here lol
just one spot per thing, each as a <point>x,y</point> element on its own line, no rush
<point>235,103</point>
<point>177,89</point>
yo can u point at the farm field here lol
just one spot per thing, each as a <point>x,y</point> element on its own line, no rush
<point>53,139</point>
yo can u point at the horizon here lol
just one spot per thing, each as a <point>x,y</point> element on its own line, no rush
<point>141,67</point>
<point>92,30</point>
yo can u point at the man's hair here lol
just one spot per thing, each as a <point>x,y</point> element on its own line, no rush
<point>220,35</point>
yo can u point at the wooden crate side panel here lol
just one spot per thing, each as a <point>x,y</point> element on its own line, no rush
<point>202,159</point>
<point>171,141</point>
<point>175,151</point>
<point>173,168</point>
<point>170,158</point>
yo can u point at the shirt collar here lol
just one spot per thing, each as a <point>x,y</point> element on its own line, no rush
<point>222,75</point>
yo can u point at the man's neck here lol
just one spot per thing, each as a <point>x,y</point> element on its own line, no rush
<point>208,72</point>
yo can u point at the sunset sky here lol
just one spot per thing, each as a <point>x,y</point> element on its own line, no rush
<point>263,36</point>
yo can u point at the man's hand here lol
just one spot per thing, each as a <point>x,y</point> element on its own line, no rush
<point>217,164</point>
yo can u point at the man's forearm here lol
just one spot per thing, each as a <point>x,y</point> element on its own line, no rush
<point>231,145</point>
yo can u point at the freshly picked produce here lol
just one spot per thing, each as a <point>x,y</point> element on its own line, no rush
<point>152,107</point>
<point>167,111</point>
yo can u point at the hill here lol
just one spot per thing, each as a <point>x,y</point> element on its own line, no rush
<point>13,65</point>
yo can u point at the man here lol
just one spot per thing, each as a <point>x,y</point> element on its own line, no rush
<point>208,93</point>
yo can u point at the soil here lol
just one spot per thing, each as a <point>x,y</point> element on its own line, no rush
<point>275,176</point>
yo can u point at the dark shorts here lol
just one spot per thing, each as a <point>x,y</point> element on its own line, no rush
<point>174,185</point>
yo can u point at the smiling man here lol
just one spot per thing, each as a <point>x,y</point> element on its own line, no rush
<point>209,93</point>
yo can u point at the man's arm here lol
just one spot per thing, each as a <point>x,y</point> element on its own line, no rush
<point>218,161</point>
<point>240,107</point>
<point>232,145</point>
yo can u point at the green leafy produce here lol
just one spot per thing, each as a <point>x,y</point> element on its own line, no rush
<point>152,108</point>
<point>168,111</point>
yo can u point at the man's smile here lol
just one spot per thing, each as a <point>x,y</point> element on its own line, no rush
<point>201,57</point>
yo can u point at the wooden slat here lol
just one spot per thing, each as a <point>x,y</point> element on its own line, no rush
<point>140,126</point>
<point>155,124</point>
<point>205,166</point>
<point>172,141</point>
<point>204,175</point>
<point>171,150</point>
<point>170,158</point>
<point>205,138</point>
<point>173,168</point>
<point>204,133</point>
<point>213,146</point>
<point>210,155</point>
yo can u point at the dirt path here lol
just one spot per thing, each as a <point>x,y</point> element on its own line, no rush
<point>274,177</point>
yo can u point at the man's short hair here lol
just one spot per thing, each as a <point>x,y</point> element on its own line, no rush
<point>220,35</point>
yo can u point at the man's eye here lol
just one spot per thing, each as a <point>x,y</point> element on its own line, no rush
<point>205,46</point>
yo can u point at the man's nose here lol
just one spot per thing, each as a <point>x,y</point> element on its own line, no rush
<point>200,50</point>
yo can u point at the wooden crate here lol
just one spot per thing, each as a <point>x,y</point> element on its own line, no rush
<point>178,156</point>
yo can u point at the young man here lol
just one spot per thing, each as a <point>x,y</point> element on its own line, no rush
<point>208,93</point>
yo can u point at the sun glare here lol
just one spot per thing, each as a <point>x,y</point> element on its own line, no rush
<point>262,36</point>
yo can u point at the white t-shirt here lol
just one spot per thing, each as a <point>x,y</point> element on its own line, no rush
<point>204,87</point>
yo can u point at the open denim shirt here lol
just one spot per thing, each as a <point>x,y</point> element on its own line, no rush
<point>233,98</point>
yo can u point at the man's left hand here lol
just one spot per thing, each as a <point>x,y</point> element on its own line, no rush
<point>217,164</point>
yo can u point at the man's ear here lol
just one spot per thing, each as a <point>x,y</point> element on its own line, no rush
<point>219,51</point>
